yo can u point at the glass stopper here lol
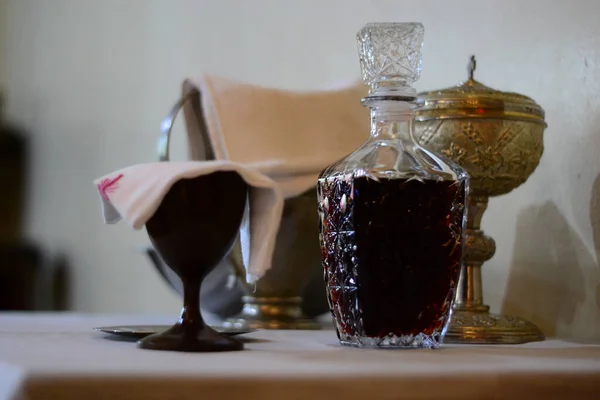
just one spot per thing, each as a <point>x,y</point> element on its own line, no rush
<point>390,57</point>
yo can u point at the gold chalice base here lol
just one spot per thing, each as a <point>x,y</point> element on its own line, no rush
<point>485,328</point>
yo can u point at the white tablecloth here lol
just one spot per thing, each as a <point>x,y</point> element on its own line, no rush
<point>59,356</point>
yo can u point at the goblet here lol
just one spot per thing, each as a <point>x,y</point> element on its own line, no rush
<point>193,229</point>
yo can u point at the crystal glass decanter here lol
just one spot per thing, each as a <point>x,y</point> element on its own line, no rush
<point>392,213</point>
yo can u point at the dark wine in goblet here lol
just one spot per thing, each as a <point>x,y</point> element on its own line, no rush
<point>193,229</point>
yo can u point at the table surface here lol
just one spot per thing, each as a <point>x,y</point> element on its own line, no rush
<point>51,356</point>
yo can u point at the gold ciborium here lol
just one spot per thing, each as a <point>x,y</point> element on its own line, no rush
<point>498,138</point>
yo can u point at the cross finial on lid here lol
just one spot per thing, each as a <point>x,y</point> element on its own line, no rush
<point>472,66</point>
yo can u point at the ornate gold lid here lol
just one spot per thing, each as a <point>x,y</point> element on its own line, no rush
<point>472,99</point>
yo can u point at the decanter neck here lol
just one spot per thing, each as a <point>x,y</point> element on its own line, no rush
<point>392,119</point>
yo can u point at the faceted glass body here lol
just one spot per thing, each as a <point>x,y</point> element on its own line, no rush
<point>392,217</point>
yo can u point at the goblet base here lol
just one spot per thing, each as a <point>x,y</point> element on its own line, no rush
<point>190,339</point>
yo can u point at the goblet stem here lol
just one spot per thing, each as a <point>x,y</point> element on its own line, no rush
<point>191,317</point>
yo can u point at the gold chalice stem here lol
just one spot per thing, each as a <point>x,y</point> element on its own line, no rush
<point>471,321</point>
<point>478,249</point>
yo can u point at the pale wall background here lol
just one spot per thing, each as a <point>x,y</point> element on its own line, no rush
<point>92,80</point>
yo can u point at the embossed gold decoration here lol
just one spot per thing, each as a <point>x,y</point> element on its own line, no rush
<point>498,138</point>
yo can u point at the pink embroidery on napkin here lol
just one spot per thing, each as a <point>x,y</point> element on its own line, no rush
<point>107,185</point>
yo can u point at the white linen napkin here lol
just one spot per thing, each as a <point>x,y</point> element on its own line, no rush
<point>134,194</point>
